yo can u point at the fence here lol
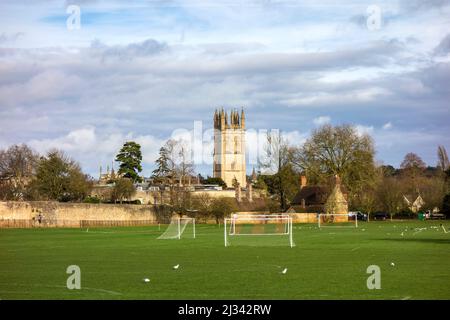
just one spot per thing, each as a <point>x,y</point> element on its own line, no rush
<point>116,223</point>
<point>25,223</point>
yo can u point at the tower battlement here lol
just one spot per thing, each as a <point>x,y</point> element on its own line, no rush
<point>235,120</point>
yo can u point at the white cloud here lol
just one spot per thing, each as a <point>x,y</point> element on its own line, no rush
<point>387,126</point>
<point>92,149</point>
<point>66,90</point>
<point>295,137</point>
<point>362,130</point>
<point>321,120</point>
<point>80,140</point>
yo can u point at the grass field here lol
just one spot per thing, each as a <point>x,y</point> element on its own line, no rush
<point>329,263</point>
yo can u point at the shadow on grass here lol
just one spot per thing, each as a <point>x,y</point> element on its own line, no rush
<point>437,241</point>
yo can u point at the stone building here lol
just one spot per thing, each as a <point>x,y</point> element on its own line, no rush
<point>229,147</point>
<point>320,198</point>
<point>414,202</point>
<point>337,201</point>
<point>108,177</point>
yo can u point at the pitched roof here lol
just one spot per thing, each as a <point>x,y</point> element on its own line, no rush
<point>313,195</point>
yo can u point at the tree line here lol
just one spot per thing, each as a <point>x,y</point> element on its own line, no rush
<point>26,175</point>
<point>349,154</point>
<point>329,151</point>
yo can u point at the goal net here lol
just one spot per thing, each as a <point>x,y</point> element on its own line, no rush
<point>258,230</point>
<point>337,220</point>
<point>179,227</point>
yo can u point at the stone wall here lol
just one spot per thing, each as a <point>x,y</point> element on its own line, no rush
<point>304,217</point>
<point>73,213</point>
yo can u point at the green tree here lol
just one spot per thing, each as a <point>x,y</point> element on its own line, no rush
<point>60,178</point>
<point>222,207</point>
<point>202,203</point>
<point>215,180</point>
<point>389,171</point>
<point>123,189</point>
<point>163,171</point>
<point>130,158</point>
<point>79,184</point>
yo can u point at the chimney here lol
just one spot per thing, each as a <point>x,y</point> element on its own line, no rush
<point>337,180</point>
<point>303,181</point>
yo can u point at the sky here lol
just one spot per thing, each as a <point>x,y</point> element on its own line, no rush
<point>151,70</point>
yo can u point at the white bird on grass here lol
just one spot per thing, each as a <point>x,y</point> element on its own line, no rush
<point>284,271</point>
<point>146,280</point>
<point>176,267</point>
<point>392,264</point>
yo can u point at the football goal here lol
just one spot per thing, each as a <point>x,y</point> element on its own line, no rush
<point>179,227</point>
<point>258,230</point>
<point>337,220</point>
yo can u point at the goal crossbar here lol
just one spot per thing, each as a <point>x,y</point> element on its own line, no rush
<point>258,220</point>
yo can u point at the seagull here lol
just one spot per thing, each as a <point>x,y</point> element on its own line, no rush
<point>284,271</point>
<point>176,267</point>
<point>392,264</point>
<point>146,280</point>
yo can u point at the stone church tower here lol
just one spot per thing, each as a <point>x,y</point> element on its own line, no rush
<point>229,147</point>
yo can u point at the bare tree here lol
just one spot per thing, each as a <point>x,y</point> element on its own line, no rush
<point>17,167</point>
<point>175,164</point>
<point>184,168</point>
<point>443,161</point>
<point>413,168</point>
<point>341,151</point>
<point>277,162</point>
<point>203,204</point>
<point>432,190</point>
<point>367,199</point>
<point>390,195</point>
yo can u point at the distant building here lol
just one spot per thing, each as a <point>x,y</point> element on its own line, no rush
<point>320,199</point>
<point>337,200</point>
<point>414,202</point>
<point>229,147</point>
<point>108,177</point>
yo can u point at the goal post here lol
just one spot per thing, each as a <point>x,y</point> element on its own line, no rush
<point>337,220</point>
<point>258,230</point>
<point>179,227</point>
